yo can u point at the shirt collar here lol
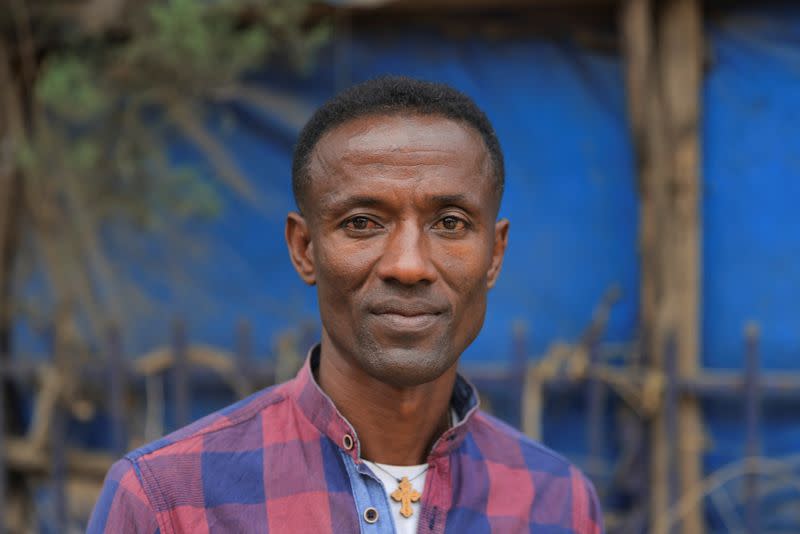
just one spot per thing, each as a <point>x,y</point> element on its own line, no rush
<point>319,409</point>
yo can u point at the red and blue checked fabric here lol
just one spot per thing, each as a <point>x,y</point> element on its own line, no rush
<point>285,461</point>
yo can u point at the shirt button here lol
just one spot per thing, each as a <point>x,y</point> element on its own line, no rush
<point>347,441</point>
<point>371,515</point>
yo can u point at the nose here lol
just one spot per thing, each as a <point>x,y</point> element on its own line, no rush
<point>406,258</point>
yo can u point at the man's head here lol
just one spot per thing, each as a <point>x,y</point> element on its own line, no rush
<point>392,95</point>
<point>399,184</point>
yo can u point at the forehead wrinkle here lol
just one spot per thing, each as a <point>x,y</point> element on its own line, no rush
<point>360,154</point>
<point>349,173</point>
<point>380,136</point>
<point>397,158</point>
<point>405,134</point>
<point>394,150</point>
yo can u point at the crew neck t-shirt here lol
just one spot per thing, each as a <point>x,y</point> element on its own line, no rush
<point>402,525</point>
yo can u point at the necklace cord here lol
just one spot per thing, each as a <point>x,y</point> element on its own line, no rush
<point>401,479</point>
<point>449,426</point>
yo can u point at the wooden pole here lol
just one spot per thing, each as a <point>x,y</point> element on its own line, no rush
<point>180,376</point>
<point>753,423</point>
<point>3,470</point>
<point>681,52</point>
<point>662,46</point>
<point>519,365</point>
<point>12,133</point>
<point>244,356</point>
<point>117,379</point>
<point>671,407</point>
<point>596,415</point>
<point>645,111</point>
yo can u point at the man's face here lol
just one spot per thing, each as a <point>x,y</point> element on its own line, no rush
<point>401,241</point>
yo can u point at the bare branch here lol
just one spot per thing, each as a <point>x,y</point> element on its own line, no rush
<point>85,232</point>
<point>219,157</point>
<point>287,107</point>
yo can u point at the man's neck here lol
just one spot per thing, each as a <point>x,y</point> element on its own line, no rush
<point>396,426</point>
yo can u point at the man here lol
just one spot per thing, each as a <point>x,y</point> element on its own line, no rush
<point>398,184</point>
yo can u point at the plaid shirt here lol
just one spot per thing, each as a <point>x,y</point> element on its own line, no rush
<point>285,461</point>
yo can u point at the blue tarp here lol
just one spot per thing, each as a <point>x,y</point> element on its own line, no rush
<point>751,242</point>
<point>570,192</point>
<point>560,115</point>
<point>571,197</point>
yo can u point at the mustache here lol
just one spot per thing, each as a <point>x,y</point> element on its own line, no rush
<point>408,307</point>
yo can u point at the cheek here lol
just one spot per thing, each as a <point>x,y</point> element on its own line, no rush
<point>343,267</point>
<point>466,265</point>
<point>467,270</point>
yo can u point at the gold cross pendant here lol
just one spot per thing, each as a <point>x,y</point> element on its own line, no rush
<point>405,494</point>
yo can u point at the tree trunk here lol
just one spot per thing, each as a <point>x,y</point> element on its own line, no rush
<point>662,43</point>
<point>11,135</point>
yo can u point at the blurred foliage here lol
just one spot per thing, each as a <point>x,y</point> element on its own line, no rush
<point>109,99</point>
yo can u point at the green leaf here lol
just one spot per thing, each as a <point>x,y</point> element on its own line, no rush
<point>68,87</point>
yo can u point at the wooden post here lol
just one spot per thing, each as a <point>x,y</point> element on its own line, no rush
<point>596,414</point>
<point>117,379</point>
<point>519,365</point>
<point>3,471</point>
<point>671,402</point>
<point>663,51</point>
<point>244,356</point>
<point>645,111</point>
<point>56,427</point>
<point>180,375</point>
<point>752,381</point>
<point>11,135</point>
<point>58,474</point>
<point>681,53</point>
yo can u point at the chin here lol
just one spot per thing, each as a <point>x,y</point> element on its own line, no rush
<point>407,366</point>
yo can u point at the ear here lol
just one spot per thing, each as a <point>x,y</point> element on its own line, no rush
<point>499,250</point>
<point>301,250</point>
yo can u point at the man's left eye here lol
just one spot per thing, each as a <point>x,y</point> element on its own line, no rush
<point>451,223</point>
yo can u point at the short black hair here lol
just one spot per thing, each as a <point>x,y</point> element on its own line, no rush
<point>392,95</point>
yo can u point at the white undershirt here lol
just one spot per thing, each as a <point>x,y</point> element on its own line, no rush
<point>403,525</point>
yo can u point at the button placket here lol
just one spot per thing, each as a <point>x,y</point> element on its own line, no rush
<point>368,493</point>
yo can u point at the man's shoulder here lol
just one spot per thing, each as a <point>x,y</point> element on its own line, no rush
<point>230,427</point>
<point>499,442</point>
<point>188,468</point>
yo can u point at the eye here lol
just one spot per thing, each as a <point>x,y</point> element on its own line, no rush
<point>451,223</point>
<point>360,223</point>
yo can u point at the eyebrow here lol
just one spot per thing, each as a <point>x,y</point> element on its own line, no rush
<point>340,204</point>
<point>450,199</point>
<point>336,202</point>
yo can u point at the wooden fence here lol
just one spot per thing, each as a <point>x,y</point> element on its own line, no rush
<point>581,368</point>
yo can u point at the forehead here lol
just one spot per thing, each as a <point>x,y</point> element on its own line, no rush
<point>400,131</point>
<point>391,152</point>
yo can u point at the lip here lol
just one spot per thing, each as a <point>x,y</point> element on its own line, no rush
<point>399,322</point>
<point>407,315</point>
<point>406,308</point>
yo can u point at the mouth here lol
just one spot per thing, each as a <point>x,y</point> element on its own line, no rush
<point>405,316</point>
<point>395,321</point>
